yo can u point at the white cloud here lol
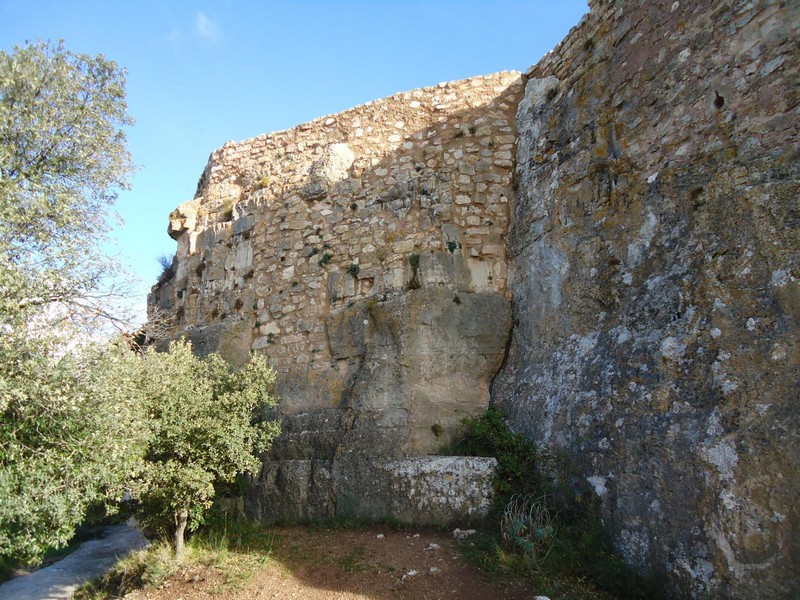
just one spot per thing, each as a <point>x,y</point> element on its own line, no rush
<point>206,28</point>
<point>175,38</point>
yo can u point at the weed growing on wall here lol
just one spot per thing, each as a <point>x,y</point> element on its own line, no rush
<point>540,527</point>
<point>167,270</point>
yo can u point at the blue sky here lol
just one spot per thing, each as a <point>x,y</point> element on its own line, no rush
<point>203,73</point>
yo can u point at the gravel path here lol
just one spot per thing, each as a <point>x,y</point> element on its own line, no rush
<point>59,580</point>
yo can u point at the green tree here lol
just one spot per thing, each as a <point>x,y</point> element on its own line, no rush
<point>207,423</point>
<point>66,429</point>
<point>63,158</point>
<point>72,433</point>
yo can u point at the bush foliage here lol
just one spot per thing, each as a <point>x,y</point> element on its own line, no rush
<point>541,526</point>
<point>201,415</point>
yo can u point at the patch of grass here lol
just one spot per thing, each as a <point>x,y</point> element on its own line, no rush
<point>486,551</point>
<point>326,258</point>
<point>237,535</point>
<point>226,212</point>
<point>539,527</point>
<point>233,548</point>
<point>354,562</point>
<point>351,523</point>
<point>142,568</point>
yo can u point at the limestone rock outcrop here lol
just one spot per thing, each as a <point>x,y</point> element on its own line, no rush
<point>654,250</point>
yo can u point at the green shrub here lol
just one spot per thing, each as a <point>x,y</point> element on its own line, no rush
<point>517,457</point>
<point>190,447</point>
<point>548,531</point>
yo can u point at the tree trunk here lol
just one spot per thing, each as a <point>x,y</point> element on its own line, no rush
<point>181,519</point>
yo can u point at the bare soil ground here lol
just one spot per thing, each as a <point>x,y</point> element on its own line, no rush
<point>374,563</point>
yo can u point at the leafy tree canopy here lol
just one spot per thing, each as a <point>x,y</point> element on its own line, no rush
<point>77,428</point>
<point>68,426</point>
<point>72,433</point>
<point>63,158</point>
<point>205,429</point>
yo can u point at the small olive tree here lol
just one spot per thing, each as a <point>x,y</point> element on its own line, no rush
<point>207,425</point>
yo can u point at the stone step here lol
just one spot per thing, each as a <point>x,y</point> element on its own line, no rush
<point>425,490</point>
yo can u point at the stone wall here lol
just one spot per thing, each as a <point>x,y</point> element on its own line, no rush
<point>364,254</point>
<point>649,240</point>
<point>425,490</point>
<point>654,254</point>
<point>287,226</point>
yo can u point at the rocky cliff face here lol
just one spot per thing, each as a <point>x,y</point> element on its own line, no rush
<point>654,249</point>
<point>650,244</point>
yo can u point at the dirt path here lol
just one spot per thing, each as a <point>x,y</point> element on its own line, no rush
<point>376,563</point>
<point>59,580</point>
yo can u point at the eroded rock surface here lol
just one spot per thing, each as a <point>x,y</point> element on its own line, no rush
<point>425,490</point>
<point>411,368</point>
<point>654,264</point>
